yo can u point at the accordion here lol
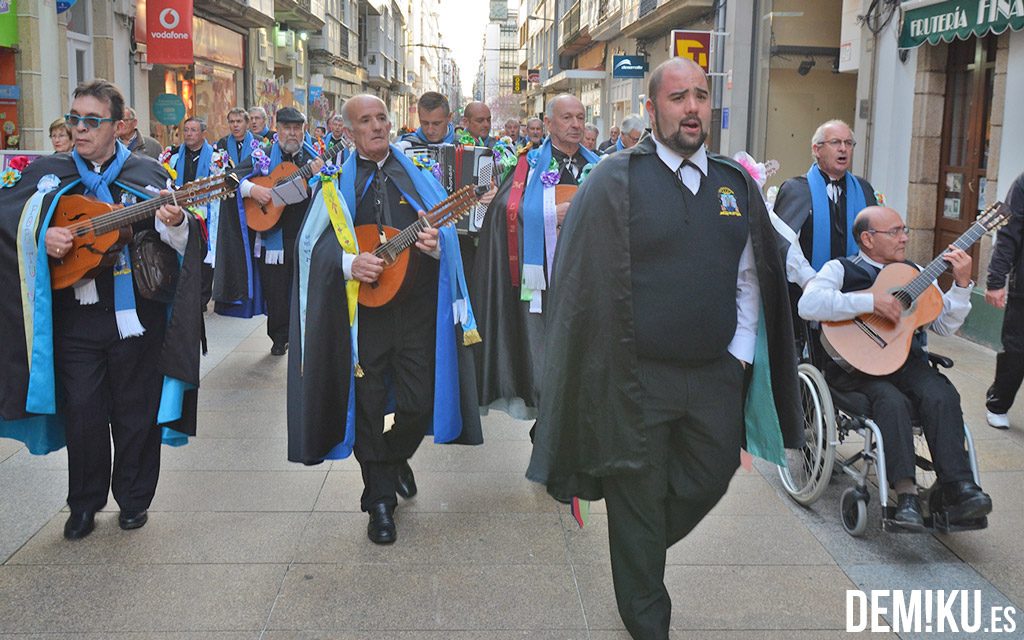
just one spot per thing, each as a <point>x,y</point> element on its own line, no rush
<point>461,165</point>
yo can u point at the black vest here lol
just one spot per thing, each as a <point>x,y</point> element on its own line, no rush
<point>685,251</point>
<point>859,275</point>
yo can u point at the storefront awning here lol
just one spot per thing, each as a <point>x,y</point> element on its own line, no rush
<point>935,21</point>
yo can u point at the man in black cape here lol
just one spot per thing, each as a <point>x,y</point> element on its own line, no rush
<point>96,360</point>
<point>652,328</point>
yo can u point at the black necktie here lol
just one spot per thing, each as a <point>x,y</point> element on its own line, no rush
<point>835,190</point>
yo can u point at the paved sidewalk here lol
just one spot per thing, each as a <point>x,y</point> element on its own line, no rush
<point>242,544</point>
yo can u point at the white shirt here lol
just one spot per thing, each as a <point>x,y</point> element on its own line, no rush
<point>822,299</point>
<point>748,290</point>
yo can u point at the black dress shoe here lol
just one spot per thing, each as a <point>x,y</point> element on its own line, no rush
<point>908,512</point>
<point>965,501</point>
<point>279,349</point>
<point>381,529</point>
<point>133,519</point>
<point>79,525</point>
<point>406,485</point>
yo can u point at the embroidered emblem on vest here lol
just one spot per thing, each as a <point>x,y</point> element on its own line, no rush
<point>728,199</point>
<point>128,199</point>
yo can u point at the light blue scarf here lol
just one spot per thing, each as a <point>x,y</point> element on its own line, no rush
<point>449,138</point>
<point>233,148</point>
<point>821,249</point>
<point>128,324</point>
<point>202,167</point>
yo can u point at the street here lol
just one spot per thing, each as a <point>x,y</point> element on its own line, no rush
<point>242,544</point>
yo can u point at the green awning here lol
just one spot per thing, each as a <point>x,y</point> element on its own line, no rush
<point>942,21</point>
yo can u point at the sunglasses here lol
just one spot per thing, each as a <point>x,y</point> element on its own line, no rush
<point>90,122</point>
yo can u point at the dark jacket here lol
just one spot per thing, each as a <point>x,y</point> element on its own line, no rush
<point>1007,257</point>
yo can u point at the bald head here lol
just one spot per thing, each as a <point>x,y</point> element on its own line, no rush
<point>359,102</point>
<point>881,234</point>
<point>368,125</point>
<point>477,118</point>
<point>565,118</point>
<point>675,66</point>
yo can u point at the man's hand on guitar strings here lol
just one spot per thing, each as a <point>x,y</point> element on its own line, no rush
<point>58,242</point>
<point>427,239</point>
<point>260,194</point>
<point>169,214</point>
<point>367,268</point>
<point>960,260</point>
<point>888,307</point>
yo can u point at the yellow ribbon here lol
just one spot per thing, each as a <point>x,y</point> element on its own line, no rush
<point>346,239</point>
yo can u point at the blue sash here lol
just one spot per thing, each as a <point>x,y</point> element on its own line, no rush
<point>821,249</point>
<point>230,143</point>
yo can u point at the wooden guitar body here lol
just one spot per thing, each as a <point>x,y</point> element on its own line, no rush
<point>389,284</point>
<point>90,253</point>
<point>265,217</point>
<point>565,192</point>
<point>873,345</point>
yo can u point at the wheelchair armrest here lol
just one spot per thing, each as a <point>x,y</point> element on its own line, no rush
<point>937,361</point>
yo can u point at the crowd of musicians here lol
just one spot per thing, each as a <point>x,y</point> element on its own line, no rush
<point>638,297</point>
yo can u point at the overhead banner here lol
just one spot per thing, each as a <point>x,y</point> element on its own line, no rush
<point>695,45</point>
<point>943,21</point>
<point>169,32</point>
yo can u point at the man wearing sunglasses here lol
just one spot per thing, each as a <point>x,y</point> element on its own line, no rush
<point>837,293</point>
<point>102,356</point>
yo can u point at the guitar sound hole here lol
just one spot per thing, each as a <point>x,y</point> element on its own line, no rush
<point>903,297</point>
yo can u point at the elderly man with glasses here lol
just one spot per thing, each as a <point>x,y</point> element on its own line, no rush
<point>132,138</point>
<point>820,206</point>
<point>837,292</point>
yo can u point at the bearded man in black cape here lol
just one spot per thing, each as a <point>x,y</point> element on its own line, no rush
<point>97,360</point>
<point>668,331</point>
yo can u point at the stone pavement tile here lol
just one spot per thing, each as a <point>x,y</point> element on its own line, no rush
<point>53,460</point>
<point>1008,577</point>
<point>240,424</point>
<point>253,402</point>
<point>937,576</point>
<point>249,370</point>
<point>447,491</point>
<point>173,538</point>
<point>437,539</point>
<point>257,341</point>
<point>423,634</point>
<point>8,448</point>
<point>28,499</point>
<point>998,454</point>
<point>153,635</point>
<point>439,597</point>
<point>1000,542</point>
<point>506,456</point>
<point>137,598</point>
<point>717,540</point>
<point>238,490</point>
<point>749,494</point>
<point>731,597</point>
<point>498,425</point>
<point>749,634</point>
<point>229,454</point>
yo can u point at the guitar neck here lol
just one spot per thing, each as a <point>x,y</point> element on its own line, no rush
<point>446,212</point>
<point>195,193</point>
<point>938,266</point>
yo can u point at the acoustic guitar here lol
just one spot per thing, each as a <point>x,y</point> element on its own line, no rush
<point>876,346</point>
<point>390,244</point>
<point>264,217</point>
<point>100,229</point>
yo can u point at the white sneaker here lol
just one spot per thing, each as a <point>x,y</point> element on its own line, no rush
<point>998,420</point>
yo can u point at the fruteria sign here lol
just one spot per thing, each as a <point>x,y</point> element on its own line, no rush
<point>933,22</point>
<point>629,66</point>
<point>169,32</point>
<point>695,45</point>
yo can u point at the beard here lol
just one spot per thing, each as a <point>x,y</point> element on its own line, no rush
<point>290,147</point>
<point>677,140</point>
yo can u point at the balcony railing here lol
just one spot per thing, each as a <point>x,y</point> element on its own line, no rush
<point>570,25</point>
<point>647,6</point>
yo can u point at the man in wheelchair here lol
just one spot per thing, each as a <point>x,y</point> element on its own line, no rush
<point>836,293</point>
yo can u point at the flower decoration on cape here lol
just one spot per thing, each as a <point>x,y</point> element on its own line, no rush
<point>549,178</point>
<point>261,161</point>
<point>18,162</point>
<point>880,198</point>
<point>505,156</point>
<point>329,170</point>
<point>436,172</point>
<point>218,161</point>
<point>9,178</point>
<point>255,144</point>
<point>466,138</point>
<point>585,171</point>
<point>423,161</point>
<point>275,138</point>
<point>48,183</point>
<point>165,156</point>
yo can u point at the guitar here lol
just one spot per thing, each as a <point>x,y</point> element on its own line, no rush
<point>264,217</point>
<point>101,229</point>
<point>876,346</point>
<point>390,244</point>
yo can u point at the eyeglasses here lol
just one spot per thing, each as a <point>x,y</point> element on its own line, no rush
<point>90,122</point>
<point>892,233</point>
<point>835,143</point>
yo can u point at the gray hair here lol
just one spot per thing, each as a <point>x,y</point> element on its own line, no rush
<point>336,118</point>
<point>549,109</point>
<point>819,133</point>
<point>258,111</point>
<point>592,128</point>
<point>631,123</point>
<point>537,120</point>
<point>202,123</point>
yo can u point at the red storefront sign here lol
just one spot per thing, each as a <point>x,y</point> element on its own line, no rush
<point>695,45</point>
<point>169,31</point>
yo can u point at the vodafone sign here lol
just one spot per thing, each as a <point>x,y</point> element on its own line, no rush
<point>169,31</point>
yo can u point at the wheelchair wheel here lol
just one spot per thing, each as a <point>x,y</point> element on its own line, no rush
<point>854,509</point>
<point>808,470</point>
<point>924,469</point>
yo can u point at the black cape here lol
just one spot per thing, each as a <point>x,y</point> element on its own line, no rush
<point>591,412</point>
<point>793,203</point>
<point>179,355</point>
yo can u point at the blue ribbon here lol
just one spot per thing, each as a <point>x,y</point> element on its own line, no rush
<point>821,248</point>
<point>233,148</point>
<point>202,167</point>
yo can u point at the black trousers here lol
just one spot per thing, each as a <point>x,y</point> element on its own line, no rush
<point>1009,361</point>
<point>914,387</point>
<point>695,421</point>
<point>111,388</point>
<point>396,351</point>
<point>276,280</point>
<point>207,285</point>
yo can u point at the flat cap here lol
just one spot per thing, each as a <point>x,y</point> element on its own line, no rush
<point>289,114</point>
